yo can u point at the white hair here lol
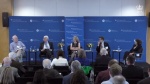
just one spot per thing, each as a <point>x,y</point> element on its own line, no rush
<point>47,63</point>
<point>12,55</point>
<point>75,65</point>
<point>46,37</point>
<point>118,79</point>
<point>14,36</point>
<point>103,51</point>
<point>7,61</point>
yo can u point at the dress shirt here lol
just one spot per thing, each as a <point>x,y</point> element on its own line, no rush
<point>14,46</point>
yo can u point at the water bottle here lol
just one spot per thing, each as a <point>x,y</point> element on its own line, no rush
<point>30,48</point>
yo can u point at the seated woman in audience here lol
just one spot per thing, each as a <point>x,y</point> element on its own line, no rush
<point>60,60</point>
<point>79,78</point>
<point>8,73</point>
<point>137,48</point>
<point>81,57</point>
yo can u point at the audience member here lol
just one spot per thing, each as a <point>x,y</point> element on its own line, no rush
<point>118,79</point>
<point>103,58</point>
<point>15,63</point>
<point>75,66</point>
<point>104,75</point>
<point>146,80</point>
<point>132,71</point>
<point>60,60</point>
<point>18,47</point>
<point>8,73</point>
<point>78,77</point>
<point>82,58</point>
<point>47,72</point>
<point>114,70</point>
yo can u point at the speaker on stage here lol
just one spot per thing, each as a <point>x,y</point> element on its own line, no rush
<point>5,19</point>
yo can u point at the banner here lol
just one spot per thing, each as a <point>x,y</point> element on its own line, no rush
<point>30,30</point>
<point>117,31</point>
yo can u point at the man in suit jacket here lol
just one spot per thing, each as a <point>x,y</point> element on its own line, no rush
<point>102,58</point>
<point>104,75</point>
<point>146,80</point>
<point>102,44</point>
<point>46,48</point>
<point>46,73</point>
<point>6,63</point>
<point>75,65</point>
<point>132,71</point>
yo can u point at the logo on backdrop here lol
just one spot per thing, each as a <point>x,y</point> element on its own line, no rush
<point>110,30</point>
<point>122,20</point>
<point>123,30</point>
<point>24,30</point>
<point>34,40</point>
<point>40,30</point>
<point>55,30</point>
<point>138,20</point>
<point>96,30</point>
<point>122,41</point>
<point>106,20</point>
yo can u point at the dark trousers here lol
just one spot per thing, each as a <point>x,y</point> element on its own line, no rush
<point>126,55</point>
<point>47,53</point>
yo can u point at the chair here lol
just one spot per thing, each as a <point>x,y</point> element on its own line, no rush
<point>98,69</point>
<point>133,81</point>
<point>23,80</point>
<point>139,54</point>
<point>64,70</point>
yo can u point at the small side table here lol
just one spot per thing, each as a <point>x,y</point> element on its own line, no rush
<point>35,53</point>
<point>116,51</point>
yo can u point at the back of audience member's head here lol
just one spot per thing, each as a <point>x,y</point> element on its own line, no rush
<point>60,53</point>
<point>6,61</point>
<point>103,51</point>
<point>111,62</point>
<point>13,56</point>
<point>119,79</point>
<point>78,77</point>
<point>81,53</point>
<point>7,76</point>
<point>130,60</point>
<point>115,70</point>
<point>75,65</point>
<point>47,63</point>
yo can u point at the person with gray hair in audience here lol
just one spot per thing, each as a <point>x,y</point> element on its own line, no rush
<point>8,73</point>
<point>15,63</point>
<point>75,66</point>
<point>114,70</point>
<point>102,58</point>
<point>119,79</point>
<point>46,73</point>
<point>46,48</point>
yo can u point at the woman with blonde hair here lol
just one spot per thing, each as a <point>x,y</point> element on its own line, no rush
<point>75,45</point>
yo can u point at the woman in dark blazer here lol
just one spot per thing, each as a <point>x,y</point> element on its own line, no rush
<point>137,48</point>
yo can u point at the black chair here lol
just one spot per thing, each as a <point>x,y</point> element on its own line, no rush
<point>98,69</point>
<point>64,70</point>
<point>54,81</point>
<point>23,80</point>
<point>133,81</point>
<point>139,54</point>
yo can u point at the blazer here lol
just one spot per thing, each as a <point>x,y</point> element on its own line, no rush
<point>133,72</point>
<point>105,45</point>
<point>67,79</point>
<point>138,49</point>
<point>102,76</point>
<point>102,60</point>
<point>42,46</point>
<point>14,70</point>
<point>144,81</point>
<point>41,75</point>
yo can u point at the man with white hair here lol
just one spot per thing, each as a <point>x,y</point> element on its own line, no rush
<point>6,63</point>
<point>119,79</point>
<point>75,66</point>
<point>18,47</point>
<point>46,48</point>
<point>102,58</point>
<point>15,63</point>
<point>46,73</point>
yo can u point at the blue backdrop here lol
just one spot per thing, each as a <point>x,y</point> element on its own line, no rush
<point>118,31</point>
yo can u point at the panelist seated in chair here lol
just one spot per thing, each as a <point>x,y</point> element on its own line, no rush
<point>75,45</point>
<point>137,48</point>
<point>46,47</point>
<point>17,47</point>
<point>60,60</point>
